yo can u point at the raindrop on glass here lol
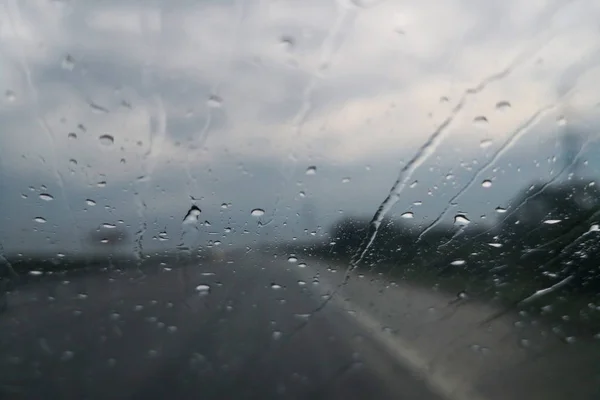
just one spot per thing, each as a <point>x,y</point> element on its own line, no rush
<point>203,290</point>
<point>500,210</point>
<point>46,197</point>
<point>72,136</point>
<point>214,101</point>
<point>480,120</point>
<point>90,202</point>
<point>407,215</point>
<point>485,143</point>
<point>275,286</point>
<point>345,180</point>
<point>458,262</point>
<point>40,220</point>
<point>108,226</point>
<point>68,63</point>
<point>461,219</point>
<point>106,140</point>
<point>487,183</point>
<point>292,259</point>
<point>503,105</point>
<point>311,170</point>
<point>10,96</point>
<point>257,212</point>
<point>552,221</point>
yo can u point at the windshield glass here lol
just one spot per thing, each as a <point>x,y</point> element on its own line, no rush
<point>299,199</point>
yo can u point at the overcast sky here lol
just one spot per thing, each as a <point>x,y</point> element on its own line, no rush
<point>231,102</point>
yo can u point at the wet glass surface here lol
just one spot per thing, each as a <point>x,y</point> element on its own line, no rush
<point>299,199</point>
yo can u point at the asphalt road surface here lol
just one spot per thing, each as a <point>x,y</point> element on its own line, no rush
<point>244,327</point>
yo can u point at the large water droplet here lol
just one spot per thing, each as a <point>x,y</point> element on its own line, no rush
<point>311,170</point>
<point>90,202</point>
<point>108,226</point>
<point>72,136</point>
<point>461,219</point>
<point>106,140</point>
<point>40,220</point>
<point>257,212</point>
<point>192,214</point>
<point>458,262</point>
<point>292,259</point>
<point>203,290</point>
<point>46,197</point>
<point>487,183</point>
<point>275,286</point>
<point>407,215</point>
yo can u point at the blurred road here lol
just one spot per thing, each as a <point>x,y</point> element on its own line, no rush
<point>238,328</point>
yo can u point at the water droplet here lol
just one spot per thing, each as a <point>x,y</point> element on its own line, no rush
<point>108,226</point>
<point>302,265</point>
<point>90,202</point>
<point>214,101</point>
<point>10,96</point>
<point>480,120</point>
<point>68,63</point>
<point>98,109</point>
<point>203,290</point>
<point>192,214</point>
<point>35,273</point>
<point>276,335</point>
<point>72,136</point>
<point>172,329</point>
<point>487,183</point>
<point>101,184</point>
<point>311,170</point>
<point>287,42</point>
<point>302,194</point>
<point>496,245</point>
<point>462,295</point>
<point>275,286</point>
<point>461,219</point>
<point>346,180</point>
<point>46,197</point>
<point>224,206</point>
<point>40,220</point>
<point>72,162</point>
<point>458,262</point>
<point>485,143</point>
<point>561,120</point>
<point>552,221</point>
<point>500,210</point>
<point>407,215</point>
<point>257,212</point>
<point>418,203</point>
<point>414,184</point>
<point>301,283</point>
<point>503,105</point>
<point>106,140</point>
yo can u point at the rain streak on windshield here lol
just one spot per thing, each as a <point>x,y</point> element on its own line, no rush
<point>340,199</point>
